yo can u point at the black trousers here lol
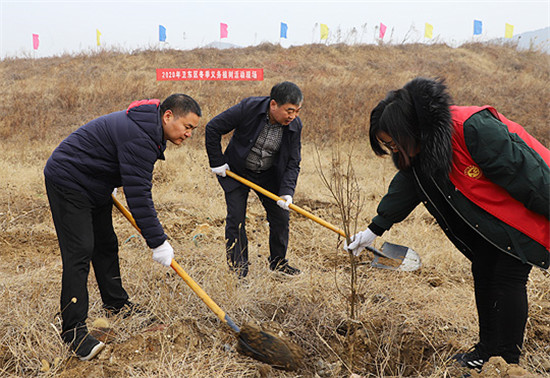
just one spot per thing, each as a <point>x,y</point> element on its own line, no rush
<point>235,226</point>
<point>85,234</point>
<point>500,282</point>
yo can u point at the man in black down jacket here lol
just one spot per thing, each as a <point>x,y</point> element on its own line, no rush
<point>117,149</point>
<point>265,149</point>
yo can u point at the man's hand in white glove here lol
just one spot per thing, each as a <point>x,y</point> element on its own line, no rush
<point>220,171</point>
<point>285,202</point>
<point>359,241</point>
<point>164,253</point>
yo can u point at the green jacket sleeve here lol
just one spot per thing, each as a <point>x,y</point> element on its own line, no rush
<point>508,161</point>
<point>398,202</point>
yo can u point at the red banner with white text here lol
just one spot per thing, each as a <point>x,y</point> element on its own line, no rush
<point>216,74</point>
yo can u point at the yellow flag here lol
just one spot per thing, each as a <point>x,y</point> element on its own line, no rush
<point>429,31</point>
<point>324,31</point>
<point>509,31</point>
<point>98,36</point>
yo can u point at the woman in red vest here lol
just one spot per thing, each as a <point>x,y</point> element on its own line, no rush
<point>486,181</point>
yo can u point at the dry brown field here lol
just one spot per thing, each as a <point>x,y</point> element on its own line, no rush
<point>408,323</point>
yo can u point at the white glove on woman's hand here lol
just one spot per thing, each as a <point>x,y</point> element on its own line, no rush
<point>164,253</point>
<point>360,241</point>
<point>285,202</point>
<point>220,171</point>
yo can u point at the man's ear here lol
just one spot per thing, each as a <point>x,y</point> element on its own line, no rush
<point>168,114</point>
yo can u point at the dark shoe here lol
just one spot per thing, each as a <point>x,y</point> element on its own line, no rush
<point>240,269</point>
<point>283,267</point>
<point>126,310</point>
<point>82,343</point>
<point>473,359</point>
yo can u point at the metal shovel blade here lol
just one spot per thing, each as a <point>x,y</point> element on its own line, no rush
<point>266,347</point>
<point>396,257</point>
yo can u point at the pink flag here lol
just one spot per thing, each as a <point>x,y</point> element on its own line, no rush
<point>35,41</point>
<point>382,30</point>
<point>223,30</point>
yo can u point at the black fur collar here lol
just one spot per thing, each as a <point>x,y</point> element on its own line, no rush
<point>431,103</point>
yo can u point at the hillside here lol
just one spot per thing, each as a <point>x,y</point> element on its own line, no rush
<point>533,40</point>
<point>341,83</point>
<point>408,323</point>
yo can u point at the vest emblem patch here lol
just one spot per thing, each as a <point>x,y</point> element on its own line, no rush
<point>473,172</point>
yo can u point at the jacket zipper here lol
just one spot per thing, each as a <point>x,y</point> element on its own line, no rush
<point>456,212</point>
<point>435,207</point>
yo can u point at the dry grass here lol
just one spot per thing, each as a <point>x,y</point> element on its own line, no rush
<point>48,98</point>
<point>410,323</point>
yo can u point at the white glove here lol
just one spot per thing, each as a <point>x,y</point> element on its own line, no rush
<point>285,202</point>
<point>360,241</point>
<point>114,192</point>
<point>220,171</point>
<point>164,253</point>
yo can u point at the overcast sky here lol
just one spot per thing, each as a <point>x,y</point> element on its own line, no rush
<point>70,26</point>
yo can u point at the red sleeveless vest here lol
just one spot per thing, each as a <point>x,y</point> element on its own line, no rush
<point>469,179</point>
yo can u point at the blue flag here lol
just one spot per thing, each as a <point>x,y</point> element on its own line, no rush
<point>284,28</point>
<point>477,27</point>
<point>162,33</point>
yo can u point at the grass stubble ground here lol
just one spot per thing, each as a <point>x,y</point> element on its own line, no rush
<point>409,323</point>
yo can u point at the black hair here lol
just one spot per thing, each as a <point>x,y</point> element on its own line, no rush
<point>180,104</point>
<point>286,93</point>
<point>416,117</point>
<point>395,116</point>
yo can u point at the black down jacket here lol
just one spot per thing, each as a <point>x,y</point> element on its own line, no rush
<point>117,149</point>
<point>500,154</point>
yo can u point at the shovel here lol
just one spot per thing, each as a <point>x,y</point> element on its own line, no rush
<point>391,256</point>
<point>252,341</point>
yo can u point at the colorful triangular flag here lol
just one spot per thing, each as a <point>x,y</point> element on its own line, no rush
<point>223,30</point>
<point>35,41</point>
<point>382,31</point>
<point>478,26</point>
<point>98,36</point>
<point>284,28</point>
<point>509,31</point>
<point>324,31</point>
<point>429,31</point>
<point>162,33</point>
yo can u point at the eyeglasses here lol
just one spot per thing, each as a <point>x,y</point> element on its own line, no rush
<point>390,145</point>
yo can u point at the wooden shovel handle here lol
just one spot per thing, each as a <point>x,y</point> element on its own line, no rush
<point>298,209</point>
<point>292,206</point>
<point>188,280</point>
